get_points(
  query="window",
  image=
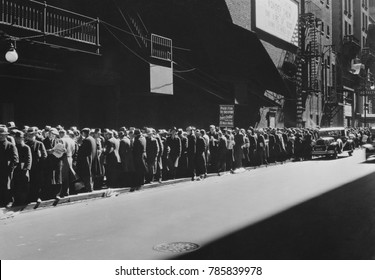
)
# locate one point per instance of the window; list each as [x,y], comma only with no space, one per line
[328,61]
[322,28]
[350,7]
[327,4]
[328,31]
[364,41]
[346,28]
[350,29]
[345,5]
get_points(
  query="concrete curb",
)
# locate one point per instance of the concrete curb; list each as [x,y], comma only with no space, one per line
[6,213]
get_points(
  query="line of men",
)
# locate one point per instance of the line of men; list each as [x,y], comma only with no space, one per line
[52,163]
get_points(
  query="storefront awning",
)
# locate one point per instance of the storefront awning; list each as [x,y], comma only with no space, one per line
[237,52]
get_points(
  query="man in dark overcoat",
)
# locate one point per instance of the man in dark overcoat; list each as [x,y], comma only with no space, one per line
[200,156]
[112,159]
[139,155]
[159,159]
[39,155]
[191,151]
[174,144]
[239,142]
[183,161]
[8,161]
[127,161]
[152,151]
[213,146]
[252,146]
[21,175]
[221,152]
[85,160]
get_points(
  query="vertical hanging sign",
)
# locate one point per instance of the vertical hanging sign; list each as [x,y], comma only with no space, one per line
[226,118]
[161,68]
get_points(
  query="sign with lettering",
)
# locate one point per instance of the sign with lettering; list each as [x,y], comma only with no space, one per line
[367,92]
[278,18]
[226,116]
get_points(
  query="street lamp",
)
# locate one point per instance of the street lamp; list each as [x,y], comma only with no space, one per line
[11,55]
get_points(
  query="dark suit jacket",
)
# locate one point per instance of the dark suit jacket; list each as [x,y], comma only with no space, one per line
[175,147]
[152,149]
[87,154]
[139,154]
[126,155]
[38,153]
[191,145]
[25,159]
[8,158]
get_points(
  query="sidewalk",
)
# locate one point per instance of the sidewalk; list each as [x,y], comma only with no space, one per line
[6,213]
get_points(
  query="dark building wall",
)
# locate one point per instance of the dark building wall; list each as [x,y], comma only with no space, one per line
[112,90]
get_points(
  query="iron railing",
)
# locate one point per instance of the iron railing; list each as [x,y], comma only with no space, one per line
[48,20]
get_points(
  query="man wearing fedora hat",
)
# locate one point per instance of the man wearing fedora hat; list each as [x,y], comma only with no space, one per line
[174,146]
[21,176]
[8,161]
[39,155]
[112,159]
[139,156]
[86,160]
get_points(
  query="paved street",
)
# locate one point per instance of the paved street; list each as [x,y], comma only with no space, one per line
[319,209]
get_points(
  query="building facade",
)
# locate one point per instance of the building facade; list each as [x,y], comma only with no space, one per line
[318,66]
[351,19]
[210,62]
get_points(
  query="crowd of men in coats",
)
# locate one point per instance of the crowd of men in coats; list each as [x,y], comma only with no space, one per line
[50,163]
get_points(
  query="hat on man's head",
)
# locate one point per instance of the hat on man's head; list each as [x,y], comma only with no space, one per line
[86,130]
[4,131]
[47,128]
[137,132]
[70,132]
[173,129]
[123,128]
[11,125]
[62,131]
[19,134]
[54,131]
[32,131]
[59,127]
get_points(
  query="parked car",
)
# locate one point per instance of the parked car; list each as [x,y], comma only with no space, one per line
[370,146]
[333,141]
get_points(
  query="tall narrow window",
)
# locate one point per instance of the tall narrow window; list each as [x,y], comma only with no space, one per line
[350,29]
[346,28]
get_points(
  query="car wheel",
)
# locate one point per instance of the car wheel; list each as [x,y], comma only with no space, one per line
[335,155]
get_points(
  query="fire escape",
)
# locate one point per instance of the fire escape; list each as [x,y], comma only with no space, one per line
[308,57]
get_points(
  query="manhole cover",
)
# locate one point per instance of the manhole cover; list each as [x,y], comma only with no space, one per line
[176,247]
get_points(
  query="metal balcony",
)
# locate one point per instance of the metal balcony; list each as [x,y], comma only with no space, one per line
[45,20]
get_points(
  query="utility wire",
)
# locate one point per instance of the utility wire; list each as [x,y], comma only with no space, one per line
[142,37]
[122,43]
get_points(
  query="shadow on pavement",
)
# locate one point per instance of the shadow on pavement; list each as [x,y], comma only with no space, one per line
[337,225]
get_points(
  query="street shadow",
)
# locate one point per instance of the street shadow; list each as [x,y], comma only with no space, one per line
[337,225]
